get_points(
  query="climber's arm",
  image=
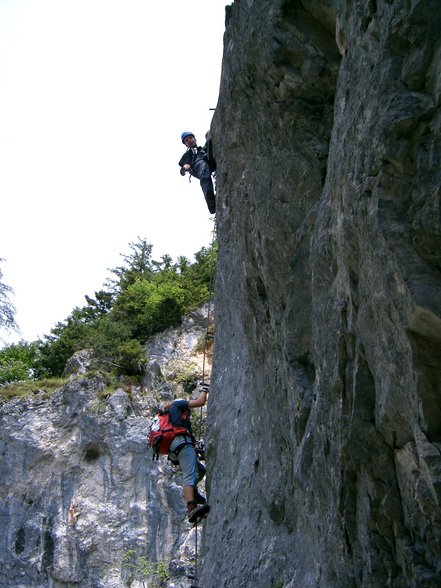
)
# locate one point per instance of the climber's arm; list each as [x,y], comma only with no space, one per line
[201,399]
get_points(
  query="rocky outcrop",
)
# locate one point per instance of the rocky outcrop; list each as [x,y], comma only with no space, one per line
[324,461]
[81,501]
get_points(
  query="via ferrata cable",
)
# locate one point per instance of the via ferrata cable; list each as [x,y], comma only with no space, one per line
[207,339]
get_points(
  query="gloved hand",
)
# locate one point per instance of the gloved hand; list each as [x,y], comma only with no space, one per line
[205,388]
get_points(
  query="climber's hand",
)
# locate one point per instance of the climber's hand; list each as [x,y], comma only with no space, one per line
[205,388]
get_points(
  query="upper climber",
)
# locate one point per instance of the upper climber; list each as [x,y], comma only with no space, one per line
[196,161]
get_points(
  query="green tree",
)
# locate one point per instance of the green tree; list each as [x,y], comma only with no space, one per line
[148,297]
[7,309]
[166,263]
[149,307]
[130,355]
[84,328]
[137,264]
[65,339]
[18,362]
[197,279]
[98,306]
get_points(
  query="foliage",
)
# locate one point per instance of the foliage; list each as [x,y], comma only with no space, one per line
[137,265]
[150,307]
[199,423]
[138,567]
[65,339]
[105,337]
[7,309]
[130,356]
[187,376]
[18,362]
[144,297]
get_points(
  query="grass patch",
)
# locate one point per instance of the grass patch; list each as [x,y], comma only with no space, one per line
[30,387]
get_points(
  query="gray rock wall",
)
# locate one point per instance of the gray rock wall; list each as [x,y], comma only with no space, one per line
[81,501]
[325,436]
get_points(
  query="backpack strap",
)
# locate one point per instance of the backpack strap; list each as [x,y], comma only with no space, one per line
[155,448]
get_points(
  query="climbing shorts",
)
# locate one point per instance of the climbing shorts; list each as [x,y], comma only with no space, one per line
[187,460]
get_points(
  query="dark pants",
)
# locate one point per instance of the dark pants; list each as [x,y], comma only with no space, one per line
[201,171]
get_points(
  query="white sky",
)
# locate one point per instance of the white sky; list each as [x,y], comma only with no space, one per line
[94,95]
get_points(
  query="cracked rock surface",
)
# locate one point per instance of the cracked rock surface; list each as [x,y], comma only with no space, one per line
[324,461]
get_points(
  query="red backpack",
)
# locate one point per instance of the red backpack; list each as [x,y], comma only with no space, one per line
[162,432]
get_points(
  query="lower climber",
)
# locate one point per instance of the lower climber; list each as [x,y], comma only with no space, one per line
[196,161]
[183,452]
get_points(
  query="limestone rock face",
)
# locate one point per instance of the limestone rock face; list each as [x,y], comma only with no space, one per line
[178,351]
[81,501]
[324,462]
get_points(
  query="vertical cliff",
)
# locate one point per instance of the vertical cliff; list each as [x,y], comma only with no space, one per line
[325,428]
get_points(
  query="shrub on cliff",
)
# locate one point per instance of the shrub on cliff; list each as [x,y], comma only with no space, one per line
[19,362]
[144,297]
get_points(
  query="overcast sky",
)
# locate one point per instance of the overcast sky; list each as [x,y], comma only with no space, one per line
[94,95]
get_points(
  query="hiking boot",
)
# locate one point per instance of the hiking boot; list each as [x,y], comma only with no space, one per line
[197,512]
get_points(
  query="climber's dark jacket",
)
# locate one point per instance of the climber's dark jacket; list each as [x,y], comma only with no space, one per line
[193,155]
[200,169]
